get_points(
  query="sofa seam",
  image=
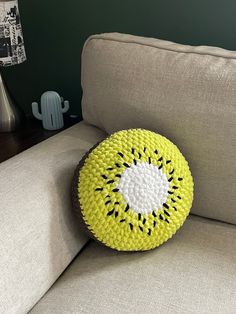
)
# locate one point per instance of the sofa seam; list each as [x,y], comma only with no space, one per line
[100,37]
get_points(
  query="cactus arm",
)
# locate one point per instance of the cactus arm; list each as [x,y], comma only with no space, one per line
[66,106]
[35,110]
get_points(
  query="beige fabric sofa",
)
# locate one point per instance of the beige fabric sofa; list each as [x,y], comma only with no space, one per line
[187,94]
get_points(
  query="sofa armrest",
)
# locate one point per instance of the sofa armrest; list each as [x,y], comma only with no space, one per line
[39,235]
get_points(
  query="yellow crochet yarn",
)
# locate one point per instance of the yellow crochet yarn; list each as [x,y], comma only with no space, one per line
[135,190]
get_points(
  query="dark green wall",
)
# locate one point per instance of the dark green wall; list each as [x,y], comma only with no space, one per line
[55,31]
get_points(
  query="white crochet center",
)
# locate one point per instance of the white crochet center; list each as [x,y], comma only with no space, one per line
[144,187]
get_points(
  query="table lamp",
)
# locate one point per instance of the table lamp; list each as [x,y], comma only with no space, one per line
[12,52]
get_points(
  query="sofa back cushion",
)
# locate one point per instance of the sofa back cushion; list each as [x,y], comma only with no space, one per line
[185,93]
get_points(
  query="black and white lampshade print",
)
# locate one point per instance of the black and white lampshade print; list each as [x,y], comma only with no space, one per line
[12,50]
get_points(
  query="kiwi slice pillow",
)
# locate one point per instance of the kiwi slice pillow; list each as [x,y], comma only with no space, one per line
[133,191]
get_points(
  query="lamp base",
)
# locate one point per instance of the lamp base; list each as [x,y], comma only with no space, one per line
[10,116]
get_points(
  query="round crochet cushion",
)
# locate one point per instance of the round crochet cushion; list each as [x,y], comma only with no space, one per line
[133,191]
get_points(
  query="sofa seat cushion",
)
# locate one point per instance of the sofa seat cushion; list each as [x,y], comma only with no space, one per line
[194,272]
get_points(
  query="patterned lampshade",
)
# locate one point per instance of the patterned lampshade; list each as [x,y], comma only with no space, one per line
[12,50]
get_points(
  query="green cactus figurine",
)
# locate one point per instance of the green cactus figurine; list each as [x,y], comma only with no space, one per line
[51,110]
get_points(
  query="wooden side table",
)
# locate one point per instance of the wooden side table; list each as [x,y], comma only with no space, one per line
[31,133]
